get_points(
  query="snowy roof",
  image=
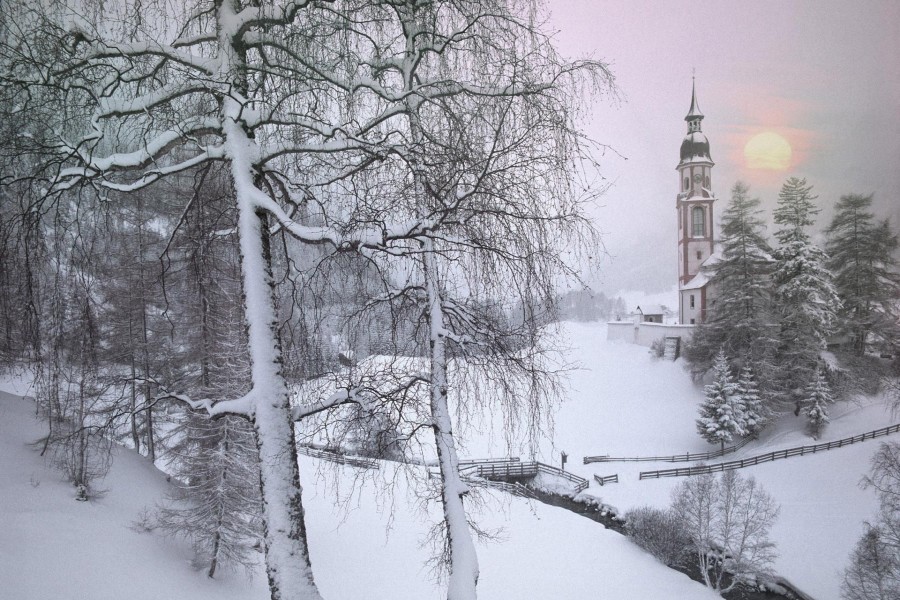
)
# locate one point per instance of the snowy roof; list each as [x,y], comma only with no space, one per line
[695,148]
[702,277]
[652,309]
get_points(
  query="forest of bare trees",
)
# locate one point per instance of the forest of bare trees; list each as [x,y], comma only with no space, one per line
[219,218]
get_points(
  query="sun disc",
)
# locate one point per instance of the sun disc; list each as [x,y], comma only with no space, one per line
[768,150]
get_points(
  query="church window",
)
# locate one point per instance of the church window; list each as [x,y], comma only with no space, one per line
[692,322]
[692,301]
[698,228]
[707,183]
[699,254]
[687,183]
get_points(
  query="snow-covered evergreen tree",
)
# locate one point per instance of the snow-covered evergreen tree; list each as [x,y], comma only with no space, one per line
[722,412]
[740,319]
[804,292]
[861,256]
[216,504]
[818,397]
[756,413]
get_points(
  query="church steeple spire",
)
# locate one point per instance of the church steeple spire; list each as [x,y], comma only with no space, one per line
[694,115]
[695,146]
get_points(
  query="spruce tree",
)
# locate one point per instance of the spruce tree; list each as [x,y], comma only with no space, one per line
[739,320]
[861,256]
[722,412]
[756,413]
[804,292]
[818,397]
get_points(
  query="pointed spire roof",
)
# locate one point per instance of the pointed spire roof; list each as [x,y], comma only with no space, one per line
[694,112]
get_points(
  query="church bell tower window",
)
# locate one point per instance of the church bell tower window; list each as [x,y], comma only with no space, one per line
[698,222]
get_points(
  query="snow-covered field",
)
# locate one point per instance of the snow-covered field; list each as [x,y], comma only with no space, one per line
[625,403]
[368,536]
[369,544]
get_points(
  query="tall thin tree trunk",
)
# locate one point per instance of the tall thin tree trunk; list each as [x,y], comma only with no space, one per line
[220,516]
[145,349]
[135,433]
[463,558]
[287,555]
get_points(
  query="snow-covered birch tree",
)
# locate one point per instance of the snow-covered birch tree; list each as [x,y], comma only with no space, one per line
[874,569]
[160,90]
[728,520]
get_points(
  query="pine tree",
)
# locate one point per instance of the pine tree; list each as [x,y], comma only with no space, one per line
[861,256]
[740,318]
[216,503]
[804,292]
[722,413]
[818,397]
[756,413]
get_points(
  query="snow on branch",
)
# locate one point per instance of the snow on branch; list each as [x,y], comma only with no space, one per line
[241,407]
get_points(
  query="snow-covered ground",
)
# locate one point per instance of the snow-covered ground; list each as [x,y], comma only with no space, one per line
[366,544]
[626,403]
[371,543]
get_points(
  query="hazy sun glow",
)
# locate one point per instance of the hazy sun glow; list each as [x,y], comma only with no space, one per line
[768,150]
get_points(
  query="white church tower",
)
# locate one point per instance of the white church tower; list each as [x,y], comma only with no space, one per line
[694,206]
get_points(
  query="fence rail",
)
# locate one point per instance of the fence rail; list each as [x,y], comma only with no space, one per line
[687,457]
[341,459]
[771,456]
[516,489]
[488,461]
[607,479]
[515,469]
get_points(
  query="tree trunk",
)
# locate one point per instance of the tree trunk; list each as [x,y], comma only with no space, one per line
[135,433]
[463,558]
[145,350]
[287,556]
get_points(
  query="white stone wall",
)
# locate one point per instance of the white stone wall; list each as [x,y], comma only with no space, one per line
[644,334]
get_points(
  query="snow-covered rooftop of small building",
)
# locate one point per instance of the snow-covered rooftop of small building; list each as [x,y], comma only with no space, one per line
[652,309]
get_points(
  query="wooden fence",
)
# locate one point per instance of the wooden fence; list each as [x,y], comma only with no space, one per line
[341,459]
[607,479]
[687,457]
[517,469]
[516,489]
[771,456]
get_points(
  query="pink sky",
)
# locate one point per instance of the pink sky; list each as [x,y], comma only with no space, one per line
[823,74]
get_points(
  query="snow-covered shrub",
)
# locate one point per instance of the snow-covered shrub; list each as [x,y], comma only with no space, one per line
[660,532]
[658,348]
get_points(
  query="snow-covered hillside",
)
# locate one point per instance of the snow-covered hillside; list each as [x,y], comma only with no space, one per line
[367,545]
[367,534]
[623,402]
